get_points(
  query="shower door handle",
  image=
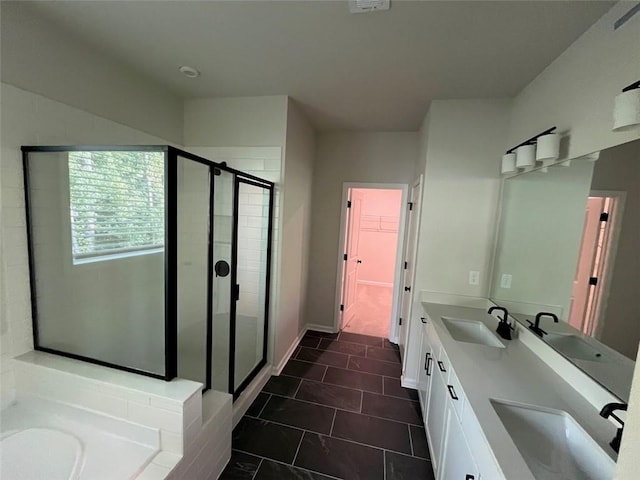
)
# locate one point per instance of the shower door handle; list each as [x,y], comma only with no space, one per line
[237,292]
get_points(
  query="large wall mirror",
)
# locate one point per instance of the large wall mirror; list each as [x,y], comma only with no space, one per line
[569,244]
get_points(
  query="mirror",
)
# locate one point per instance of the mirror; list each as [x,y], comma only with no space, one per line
[569,244]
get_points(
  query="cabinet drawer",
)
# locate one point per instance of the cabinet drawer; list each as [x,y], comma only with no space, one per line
[456,395]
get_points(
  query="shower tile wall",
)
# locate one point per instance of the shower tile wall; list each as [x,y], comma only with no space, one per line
[29,119]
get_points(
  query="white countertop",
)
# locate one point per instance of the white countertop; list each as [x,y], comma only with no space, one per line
[514,374]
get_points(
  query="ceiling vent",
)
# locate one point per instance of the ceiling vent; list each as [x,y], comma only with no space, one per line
[365,6]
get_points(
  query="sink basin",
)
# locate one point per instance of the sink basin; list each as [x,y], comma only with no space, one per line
[471,331]
[574,346]
[552,444]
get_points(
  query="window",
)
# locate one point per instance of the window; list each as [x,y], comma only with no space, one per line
[116,203]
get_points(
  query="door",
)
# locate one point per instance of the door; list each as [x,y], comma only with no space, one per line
[351,259]
[581,283]
[457,459]
[411,247]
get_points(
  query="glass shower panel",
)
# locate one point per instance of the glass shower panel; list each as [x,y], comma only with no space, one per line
[252,276]
[221,284]
[96,231]
[193,201]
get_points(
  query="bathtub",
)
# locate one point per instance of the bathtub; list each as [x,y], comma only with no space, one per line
[43,439]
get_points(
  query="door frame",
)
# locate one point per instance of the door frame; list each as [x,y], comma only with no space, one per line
[601,297]
[398,271]
[417,211]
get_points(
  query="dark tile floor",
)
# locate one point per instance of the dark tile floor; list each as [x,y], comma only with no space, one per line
[337,411]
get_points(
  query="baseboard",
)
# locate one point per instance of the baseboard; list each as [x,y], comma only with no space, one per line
[244,401]
[375,284]
[320,328]
[277,369]
[408,382]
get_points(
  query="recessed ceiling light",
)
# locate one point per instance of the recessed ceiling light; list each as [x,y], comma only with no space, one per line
[189,71]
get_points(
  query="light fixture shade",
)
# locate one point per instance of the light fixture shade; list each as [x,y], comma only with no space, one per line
[548,148]
[526,156]
[508,163]
[626,111]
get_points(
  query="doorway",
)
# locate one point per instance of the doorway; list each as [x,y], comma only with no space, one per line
[370,258]
[595,260]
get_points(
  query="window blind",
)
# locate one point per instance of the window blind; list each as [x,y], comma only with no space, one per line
[116,202]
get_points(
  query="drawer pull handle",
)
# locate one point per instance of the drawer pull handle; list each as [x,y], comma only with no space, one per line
[470,477]
[441,366]
[428,369]
[426,360]
[423,320]
[452,392]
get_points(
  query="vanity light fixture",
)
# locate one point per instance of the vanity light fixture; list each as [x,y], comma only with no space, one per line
[548,148]
[525,153]
[508,163]
[526,156]
[626,110]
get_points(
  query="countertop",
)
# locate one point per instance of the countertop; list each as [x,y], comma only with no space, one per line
[515,374]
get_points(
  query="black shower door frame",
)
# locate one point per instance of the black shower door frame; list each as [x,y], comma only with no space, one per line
[171,259]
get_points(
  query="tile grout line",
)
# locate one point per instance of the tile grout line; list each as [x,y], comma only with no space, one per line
[259,465]
[263,406]
[333,422]
[298,449]
[325,435]
[283,463]
[298,389]
[413,453]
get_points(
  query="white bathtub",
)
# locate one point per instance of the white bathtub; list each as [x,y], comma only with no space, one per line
[42,439]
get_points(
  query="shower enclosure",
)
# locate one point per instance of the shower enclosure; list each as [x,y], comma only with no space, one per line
[149,259]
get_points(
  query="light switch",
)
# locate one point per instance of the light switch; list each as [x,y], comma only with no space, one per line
[474,277]
[505,281]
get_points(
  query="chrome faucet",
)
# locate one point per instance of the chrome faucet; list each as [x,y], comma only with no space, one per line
[504,329]
[606,412]
[535,327]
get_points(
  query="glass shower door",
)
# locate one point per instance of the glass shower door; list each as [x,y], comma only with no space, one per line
[251,252]
[221,281]
[193,204]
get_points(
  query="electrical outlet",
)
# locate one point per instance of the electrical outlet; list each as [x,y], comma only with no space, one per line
[474,277]
[505,281]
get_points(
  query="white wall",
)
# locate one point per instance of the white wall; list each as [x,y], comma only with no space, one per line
[462,184]
[40,58]
[235,122]
[627,467]
[29,119]
[576,91]
[387,157]
[463,141]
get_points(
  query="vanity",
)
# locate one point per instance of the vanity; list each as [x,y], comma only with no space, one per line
[529,408]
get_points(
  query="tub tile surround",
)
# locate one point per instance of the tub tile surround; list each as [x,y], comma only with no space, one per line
[172,409]
[514,374]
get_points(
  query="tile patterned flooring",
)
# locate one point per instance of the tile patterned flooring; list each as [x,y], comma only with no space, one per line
[337,411]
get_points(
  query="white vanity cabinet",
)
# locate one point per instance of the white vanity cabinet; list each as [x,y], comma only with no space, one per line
[443,402]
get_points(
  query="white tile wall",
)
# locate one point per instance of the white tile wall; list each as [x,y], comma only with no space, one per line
[30,119]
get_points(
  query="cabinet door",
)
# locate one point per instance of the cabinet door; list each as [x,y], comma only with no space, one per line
[424,376]
[457,461]
[436,414]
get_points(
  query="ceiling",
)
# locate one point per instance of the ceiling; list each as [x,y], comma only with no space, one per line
[376,71]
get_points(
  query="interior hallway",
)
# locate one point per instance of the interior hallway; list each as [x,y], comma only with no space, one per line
[337,411]
[372,312]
